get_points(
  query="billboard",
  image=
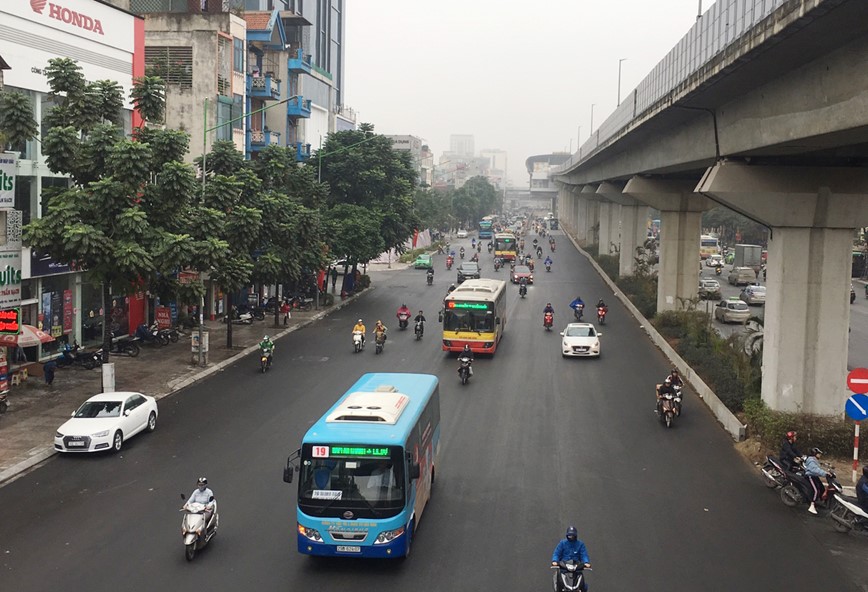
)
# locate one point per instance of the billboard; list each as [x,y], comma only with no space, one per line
[7,180]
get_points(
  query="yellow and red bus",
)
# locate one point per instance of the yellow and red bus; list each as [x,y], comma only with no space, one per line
[505,246]
[475,314]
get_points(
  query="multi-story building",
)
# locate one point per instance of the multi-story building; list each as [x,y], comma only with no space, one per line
[421,155]
[107,43]
[542,189]
[462,145]
[497,167]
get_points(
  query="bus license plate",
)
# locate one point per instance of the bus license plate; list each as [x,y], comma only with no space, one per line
[349,549]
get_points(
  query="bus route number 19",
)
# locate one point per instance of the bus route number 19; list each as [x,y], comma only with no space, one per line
[320,451]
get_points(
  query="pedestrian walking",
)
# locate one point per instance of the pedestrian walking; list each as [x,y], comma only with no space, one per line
[48,371]
[334,278]
[285,311]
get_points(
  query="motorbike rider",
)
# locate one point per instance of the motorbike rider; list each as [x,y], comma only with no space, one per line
[538,251]
[380,331]
[475,258]
[813,471]
[461,252]
[267,348]
[467,353]
[490,246]
[420,318]
[790,455]
[403,310]
[522,285]
[360,326]
[675,378]
[203,495]
[571,548]
[862,489]
[663,389]
[548,261]
[450,289]
[549,309]
[575,304]
[430,274]
[473,243]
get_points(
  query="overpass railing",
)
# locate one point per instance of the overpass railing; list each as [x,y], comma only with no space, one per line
[722,25]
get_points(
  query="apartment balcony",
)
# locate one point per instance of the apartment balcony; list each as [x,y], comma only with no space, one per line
[302,151]
[299,62]
[298,107]
[263,87]
[259,139]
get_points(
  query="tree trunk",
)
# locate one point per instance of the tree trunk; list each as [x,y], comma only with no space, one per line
[106,322]
[229,315]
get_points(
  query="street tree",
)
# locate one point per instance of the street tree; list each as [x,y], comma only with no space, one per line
[111,221]
[17,124]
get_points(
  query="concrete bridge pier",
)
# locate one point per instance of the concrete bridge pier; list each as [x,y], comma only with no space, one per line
[812,213]
[634,229]
[610,218]
[589,216]
[680,225]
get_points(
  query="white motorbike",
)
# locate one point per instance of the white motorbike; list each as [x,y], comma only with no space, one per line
[570,576]
[196,534]
[847,515]
[358,343]
[419,329]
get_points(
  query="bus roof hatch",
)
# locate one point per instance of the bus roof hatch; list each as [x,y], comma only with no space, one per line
[382,405]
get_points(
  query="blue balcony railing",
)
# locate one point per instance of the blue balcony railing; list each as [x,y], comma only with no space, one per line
[259,139]
[263,87]
[299,62]
[298,107]
[302,151]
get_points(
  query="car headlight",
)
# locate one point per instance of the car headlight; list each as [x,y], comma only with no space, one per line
[101,434]
[58,435]
[597,345]
[387,536]
[309,533]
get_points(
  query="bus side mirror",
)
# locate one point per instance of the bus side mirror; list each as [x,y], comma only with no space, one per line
[287,473]
[439,317]
[415,472]
[496,320]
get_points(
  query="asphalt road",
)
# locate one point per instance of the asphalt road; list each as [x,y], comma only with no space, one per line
[534,443]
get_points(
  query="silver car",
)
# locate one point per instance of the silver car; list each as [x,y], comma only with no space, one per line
[753,294]
[709,289]
[732,310]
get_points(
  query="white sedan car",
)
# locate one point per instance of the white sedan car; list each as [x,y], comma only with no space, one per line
[461,234]
[581,340]
[104,421]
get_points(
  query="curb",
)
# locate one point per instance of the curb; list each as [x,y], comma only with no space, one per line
[40,454]
[724,416]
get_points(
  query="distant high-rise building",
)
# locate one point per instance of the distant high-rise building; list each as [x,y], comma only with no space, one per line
[423,158]
[462,144]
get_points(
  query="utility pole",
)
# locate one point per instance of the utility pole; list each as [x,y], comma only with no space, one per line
[592,118]
[619,76]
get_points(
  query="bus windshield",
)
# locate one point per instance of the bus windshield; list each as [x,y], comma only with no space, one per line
[372,486]
[468,316]
[507,243]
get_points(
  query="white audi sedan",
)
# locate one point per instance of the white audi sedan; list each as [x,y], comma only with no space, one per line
[581,340]
[105,421]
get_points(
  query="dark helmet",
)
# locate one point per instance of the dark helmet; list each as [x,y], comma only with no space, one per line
[815,451]
[572,533]
[202,481]
[673,371]
[791,434]
[865,471]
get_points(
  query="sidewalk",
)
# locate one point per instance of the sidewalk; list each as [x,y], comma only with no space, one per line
[36,410]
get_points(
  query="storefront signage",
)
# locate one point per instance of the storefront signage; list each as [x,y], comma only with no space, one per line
[163,316]
[7,180]
[67,312]
[10,321]
[10,279]
[43,264]
[70,17]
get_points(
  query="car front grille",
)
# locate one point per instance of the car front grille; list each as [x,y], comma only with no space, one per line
[68,439]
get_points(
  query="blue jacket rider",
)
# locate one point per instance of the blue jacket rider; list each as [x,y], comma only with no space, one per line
[571,548]
[575,303]
[548,261]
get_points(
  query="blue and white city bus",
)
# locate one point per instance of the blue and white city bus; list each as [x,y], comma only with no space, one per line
[366,467]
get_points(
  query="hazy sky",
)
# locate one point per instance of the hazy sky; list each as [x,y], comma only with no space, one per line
[520,76]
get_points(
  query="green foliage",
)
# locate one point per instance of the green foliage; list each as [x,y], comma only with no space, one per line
[364,282]
[727,223]
[433,208]
[610,265]
[832,434]
[354,231]
[149,96]
[641,289]
[64,77]
[17,124]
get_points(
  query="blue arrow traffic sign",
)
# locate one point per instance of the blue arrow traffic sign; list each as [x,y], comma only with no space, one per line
[857,407]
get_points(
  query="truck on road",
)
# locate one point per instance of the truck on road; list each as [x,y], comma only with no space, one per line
[748,256]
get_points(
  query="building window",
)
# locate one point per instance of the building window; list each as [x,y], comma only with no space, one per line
[224,67]
[237,112]
[238,60]
[24,196]
[224,115]
[173,64]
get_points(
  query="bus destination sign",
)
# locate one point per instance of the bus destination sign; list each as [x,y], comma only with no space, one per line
[468,305]
[359,451]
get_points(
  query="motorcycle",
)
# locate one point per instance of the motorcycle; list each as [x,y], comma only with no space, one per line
[601,314]
[479,247]
[403,320]
[799,490]
[490,248]
[92,359]
[419,330]
[358,344]
[174,335]
[70,355]
[548,321]
[195,533]
[300,303]
[570,575]
[718,270]
[430,279]
[553,247]
[152,334]
[678,390]
[126,347]
[774,474]
[379,342]
[666,408]
[461,253]
[578,311]
[522,290]
[539,252]
[464,371]
[847,515]
[497,264]
[449,261]
[548,266]
[264,359]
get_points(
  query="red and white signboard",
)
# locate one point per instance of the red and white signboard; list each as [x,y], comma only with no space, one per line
[320,452]
[857,380]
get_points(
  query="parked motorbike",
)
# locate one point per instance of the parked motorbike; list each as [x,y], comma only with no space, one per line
[195,533]
[419,329]
[379,342]
[847,515]
[548,321]
[464,371]
[125,347]
[570,575]
[601,314]
[173,334]
[91,360]
[774,474]
[358,344]
[69,355]
[151,335]
[799,491]
[301,303]
[403,320]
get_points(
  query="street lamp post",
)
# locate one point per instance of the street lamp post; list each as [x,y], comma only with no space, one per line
[205,130]
[592,118]
[619,79]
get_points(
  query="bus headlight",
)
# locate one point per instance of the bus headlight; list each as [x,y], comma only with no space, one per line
[387,536]
[309,533]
